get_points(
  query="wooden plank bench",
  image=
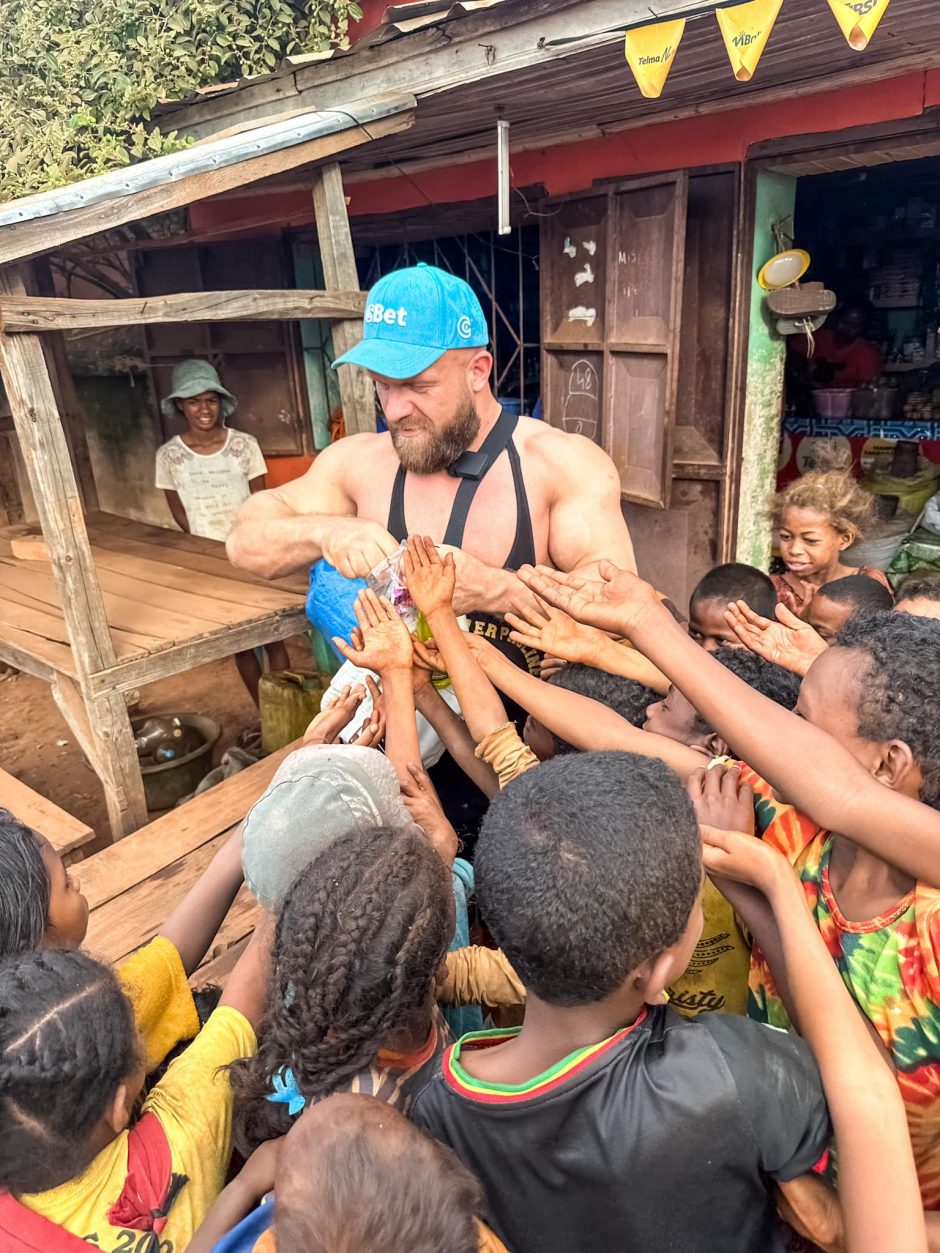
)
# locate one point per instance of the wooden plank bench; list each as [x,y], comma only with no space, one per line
[133,885]
[66,834]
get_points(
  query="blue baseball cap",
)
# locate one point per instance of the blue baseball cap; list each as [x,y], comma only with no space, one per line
[413,317]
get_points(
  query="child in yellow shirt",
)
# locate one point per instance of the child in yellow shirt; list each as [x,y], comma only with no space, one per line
[71,1069]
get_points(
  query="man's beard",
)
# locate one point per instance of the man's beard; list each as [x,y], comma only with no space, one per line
[435,450]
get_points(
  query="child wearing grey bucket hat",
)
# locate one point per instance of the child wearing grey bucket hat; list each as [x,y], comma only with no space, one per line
[208,472]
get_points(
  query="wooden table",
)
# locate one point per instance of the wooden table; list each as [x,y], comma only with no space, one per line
[66,834]
[171,601]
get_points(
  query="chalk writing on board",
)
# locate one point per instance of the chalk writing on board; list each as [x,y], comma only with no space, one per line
[582,400]
[569,248]
[624,257]
[584,276]
[580,314]
[589,246]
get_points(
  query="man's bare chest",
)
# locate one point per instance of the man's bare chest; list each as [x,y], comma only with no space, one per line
[429,505]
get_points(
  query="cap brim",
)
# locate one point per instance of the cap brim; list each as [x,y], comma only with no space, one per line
[390,359]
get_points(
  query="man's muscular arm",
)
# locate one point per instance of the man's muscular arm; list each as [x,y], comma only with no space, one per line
[287,528]
[586,522]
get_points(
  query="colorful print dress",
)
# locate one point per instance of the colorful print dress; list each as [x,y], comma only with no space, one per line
[889,964]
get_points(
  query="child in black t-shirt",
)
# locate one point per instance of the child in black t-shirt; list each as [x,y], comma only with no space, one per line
[607,1121]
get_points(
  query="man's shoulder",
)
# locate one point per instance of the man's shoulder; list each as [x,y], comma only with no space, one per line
[556,448]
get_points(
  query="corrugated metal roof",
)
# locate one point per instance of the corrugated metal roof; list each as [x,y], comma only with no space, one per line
[210,155]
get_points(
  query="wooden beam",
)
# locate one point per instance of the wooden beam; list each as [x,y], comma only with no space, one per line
[338,259]
[41,313]
[128,675]
[52,478]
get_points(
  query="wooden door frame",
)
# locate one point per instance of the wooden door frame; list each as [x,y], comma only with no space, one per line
[908,139]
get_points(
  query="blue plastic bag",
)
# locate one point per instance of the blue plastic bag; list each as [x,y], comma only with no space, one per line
[330,600]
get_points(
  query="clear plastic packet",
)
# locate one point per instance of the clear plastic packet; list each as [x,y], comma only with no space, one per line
[386,579]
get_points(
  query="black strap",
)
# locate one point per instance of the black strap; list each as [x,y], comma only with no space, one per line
[396,510]
[523,545]
[499,438]
[491,448]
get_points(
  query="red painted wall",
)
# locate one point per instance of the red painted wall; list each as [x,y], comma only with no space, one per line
[710,139]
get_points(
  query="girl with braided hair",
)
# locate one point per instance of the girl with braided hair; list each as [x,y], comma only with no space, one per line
[360,938]
[42,908]
[73,1173]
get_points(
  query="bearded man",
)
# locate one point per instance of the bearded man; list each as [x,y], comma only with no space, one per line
[503,491]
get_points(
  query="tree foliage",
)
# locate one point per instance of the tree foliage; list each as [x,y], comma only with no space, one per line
[80,78]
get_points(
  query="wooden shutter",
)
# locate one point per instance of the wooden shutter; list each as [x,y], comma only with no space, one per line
[613,266]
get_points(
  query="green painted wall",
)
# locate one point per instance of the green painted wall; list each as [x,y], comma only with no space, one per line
[763,408]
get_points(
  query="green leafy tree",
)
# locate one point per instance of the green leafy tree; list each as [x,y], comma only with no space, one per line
[80,78]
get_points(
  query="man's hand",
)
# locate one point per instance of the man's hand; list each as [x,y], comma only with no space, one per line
[790,642]
[556,633]
[423,804]
[429,579]
[355,546]
[481,588]
[722,799]
[616,602]
[383,643]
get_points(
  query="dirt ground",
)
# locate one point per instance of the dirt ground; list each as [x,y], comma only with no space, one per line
[37,747]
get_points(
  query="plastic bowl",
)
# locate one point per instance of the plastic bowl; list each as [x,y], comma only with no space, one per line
[833,402]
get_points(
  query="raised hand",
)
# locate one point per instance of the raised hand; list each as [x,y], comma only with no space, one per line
[555,632]
[789,642]
[430,580]
[422,802]
[328,723]
[722,799]
[732,856]
[612,602]
[383,643]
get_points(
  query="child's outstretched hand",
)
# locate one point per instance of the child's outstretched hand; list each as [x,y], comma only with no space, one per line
[430,580]
[328,723]
[722,799]
[790,642]
[555,632]
[383,643]
[423,804]
[614,602]
[731,855]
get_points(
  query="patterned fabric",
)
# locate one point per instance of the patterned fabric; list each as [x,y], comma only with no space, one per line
[796,600]
[889,964]
[213,486]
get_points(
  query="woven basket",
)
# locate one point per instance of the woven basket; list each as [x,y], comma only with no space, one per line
[801,302]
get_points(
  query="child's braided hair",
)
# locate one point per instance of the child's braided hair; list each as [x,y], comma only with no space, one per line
[359,938]
[67,1043]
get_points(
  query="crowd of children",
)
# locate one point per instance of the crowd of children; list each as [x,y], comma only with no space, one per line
[703,1010]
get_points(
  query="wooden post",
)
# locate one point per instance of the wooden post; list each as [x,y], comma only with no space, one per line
[73,420]
[339,273]
[52,478]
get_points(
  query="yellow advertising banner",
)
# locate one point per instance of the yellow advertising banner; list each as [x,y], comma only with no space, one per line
[858,19]
[650,52]
[745,29]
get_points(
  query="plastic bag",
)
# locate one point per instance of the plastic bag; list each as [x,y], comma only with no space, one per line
[930,518]
[387,580]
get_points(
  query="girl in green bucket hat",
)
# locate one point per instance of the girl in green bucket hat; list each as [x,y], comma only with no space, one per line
[208,472]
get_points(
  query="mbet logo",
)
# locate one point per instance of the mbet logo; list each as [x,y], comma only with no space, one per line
[391,317]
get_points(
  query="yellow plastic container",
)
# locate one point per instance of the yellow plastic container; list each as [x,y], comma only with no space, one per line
[290,700]
[423,632]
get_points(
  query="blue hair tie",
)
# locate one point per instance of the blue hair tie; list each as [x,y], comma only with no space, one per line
[286,1091]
